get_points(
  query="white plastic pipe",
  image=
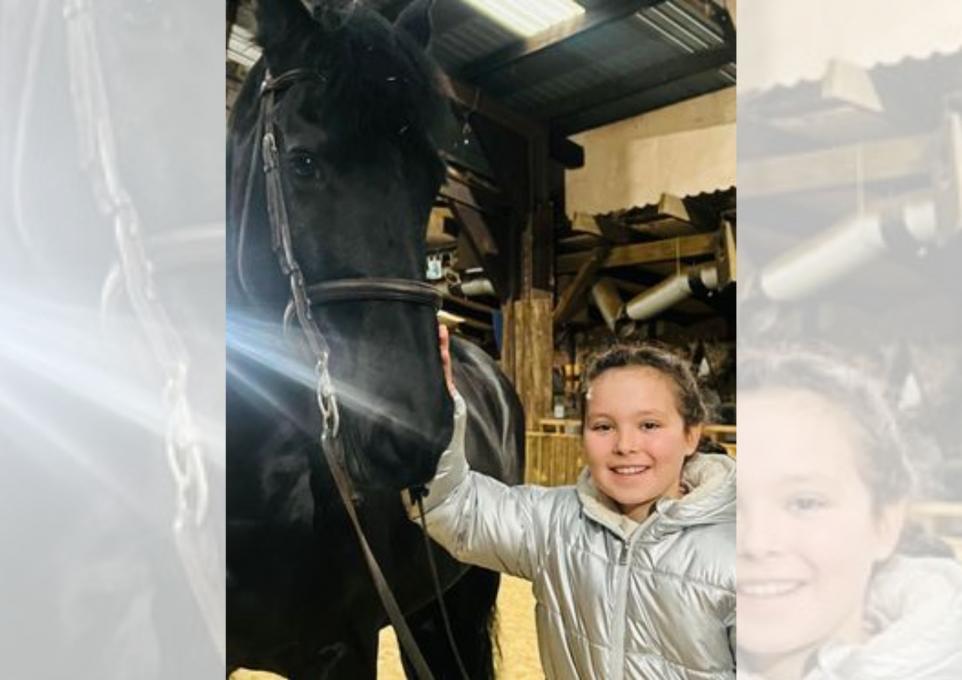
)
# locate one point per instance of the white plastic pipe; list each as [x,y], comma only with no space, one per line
[669,292]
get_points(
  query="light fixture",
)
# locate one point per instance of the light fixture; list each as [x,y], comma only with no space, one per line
[528,17]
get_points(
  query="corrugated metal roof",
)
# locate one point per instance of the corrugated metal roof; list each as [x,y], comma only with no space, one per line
[469,40]
[605,74]
[619,53]
[625,54]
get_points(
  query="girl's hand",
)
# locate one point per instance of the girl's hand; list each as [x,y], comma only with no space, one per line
[444,341]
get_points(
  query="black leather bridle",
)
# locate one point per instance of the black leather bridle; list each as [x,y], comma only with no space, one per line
[305,296]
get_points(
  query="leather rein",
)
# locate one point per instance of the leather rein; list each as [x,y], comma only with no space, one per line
[303,298]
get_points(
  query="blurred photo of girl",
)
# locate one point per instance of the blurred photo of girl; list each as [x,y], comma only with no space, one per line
[832,582]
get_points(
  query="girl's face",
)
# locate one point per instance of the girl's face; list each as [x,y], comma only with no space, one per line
[635,438]
[808,536]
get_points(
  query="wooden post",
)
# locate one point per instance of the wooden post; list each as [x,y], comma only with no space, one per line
[524,172]
[528,360]
[528,348]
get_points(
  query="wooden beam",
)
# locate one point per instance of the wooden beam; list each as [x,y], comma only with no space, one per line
[601,227]
[642,253]
[455,320]
[570,155]
[578,242]
[468,304]
[556,35]
[573,296]
[473,195]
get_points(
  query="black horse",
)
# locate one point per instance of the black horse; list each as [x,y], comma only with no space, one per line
[358,133]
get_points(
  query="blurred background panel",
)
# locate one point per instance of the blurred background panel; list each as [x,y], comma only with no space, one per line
[850,339]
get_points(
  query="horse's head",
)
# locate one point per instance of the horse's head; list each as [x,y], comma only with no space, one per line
[357,134]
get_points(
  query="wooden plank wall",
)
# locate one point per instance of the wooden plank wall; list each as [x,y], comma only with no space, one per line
[552,459]
[556,459]
[528,352]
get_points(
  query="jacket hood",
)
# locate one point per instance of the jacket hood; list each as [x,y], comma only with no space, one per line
[710,479]
[711,499]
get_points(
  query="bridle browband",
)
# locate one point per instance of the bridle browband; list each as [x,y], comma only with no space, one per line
[303,298]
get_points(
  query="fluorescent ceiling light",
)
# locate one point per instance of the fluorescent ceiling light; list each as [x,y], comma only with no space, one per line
[528,17]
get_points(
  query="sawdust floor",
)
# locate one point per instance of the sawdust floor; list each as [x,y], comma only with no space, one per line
[516,636]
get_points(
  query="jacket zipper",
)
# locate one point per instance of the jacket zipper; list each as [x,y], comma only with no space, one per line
[621,605]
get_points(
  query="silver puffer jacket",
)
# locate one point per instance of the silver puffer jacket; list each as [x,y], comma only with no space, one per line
[615,599]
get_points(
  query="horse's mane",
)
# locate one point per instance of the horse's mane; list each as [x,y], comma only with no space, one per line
[384,83]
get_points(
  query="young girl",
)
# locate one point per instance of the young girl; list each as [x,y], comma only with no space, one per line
[633,569]
[829,586]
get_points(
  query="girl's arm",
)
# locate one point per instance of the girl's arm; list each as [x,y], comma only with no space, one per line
[476,518]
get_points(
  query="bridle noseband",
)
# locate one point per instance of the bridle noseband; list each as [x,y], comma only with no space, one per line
[303,298]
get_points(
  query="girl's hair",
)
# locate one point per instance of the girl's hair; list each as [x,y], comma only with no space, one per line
[882,452]
[691,404]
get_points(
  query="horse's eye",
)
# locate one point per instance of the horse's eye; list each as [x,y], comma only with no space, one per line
[304,165]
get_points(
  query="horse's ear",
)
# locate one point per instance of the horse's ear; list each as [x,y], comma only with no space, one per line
[415,20]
